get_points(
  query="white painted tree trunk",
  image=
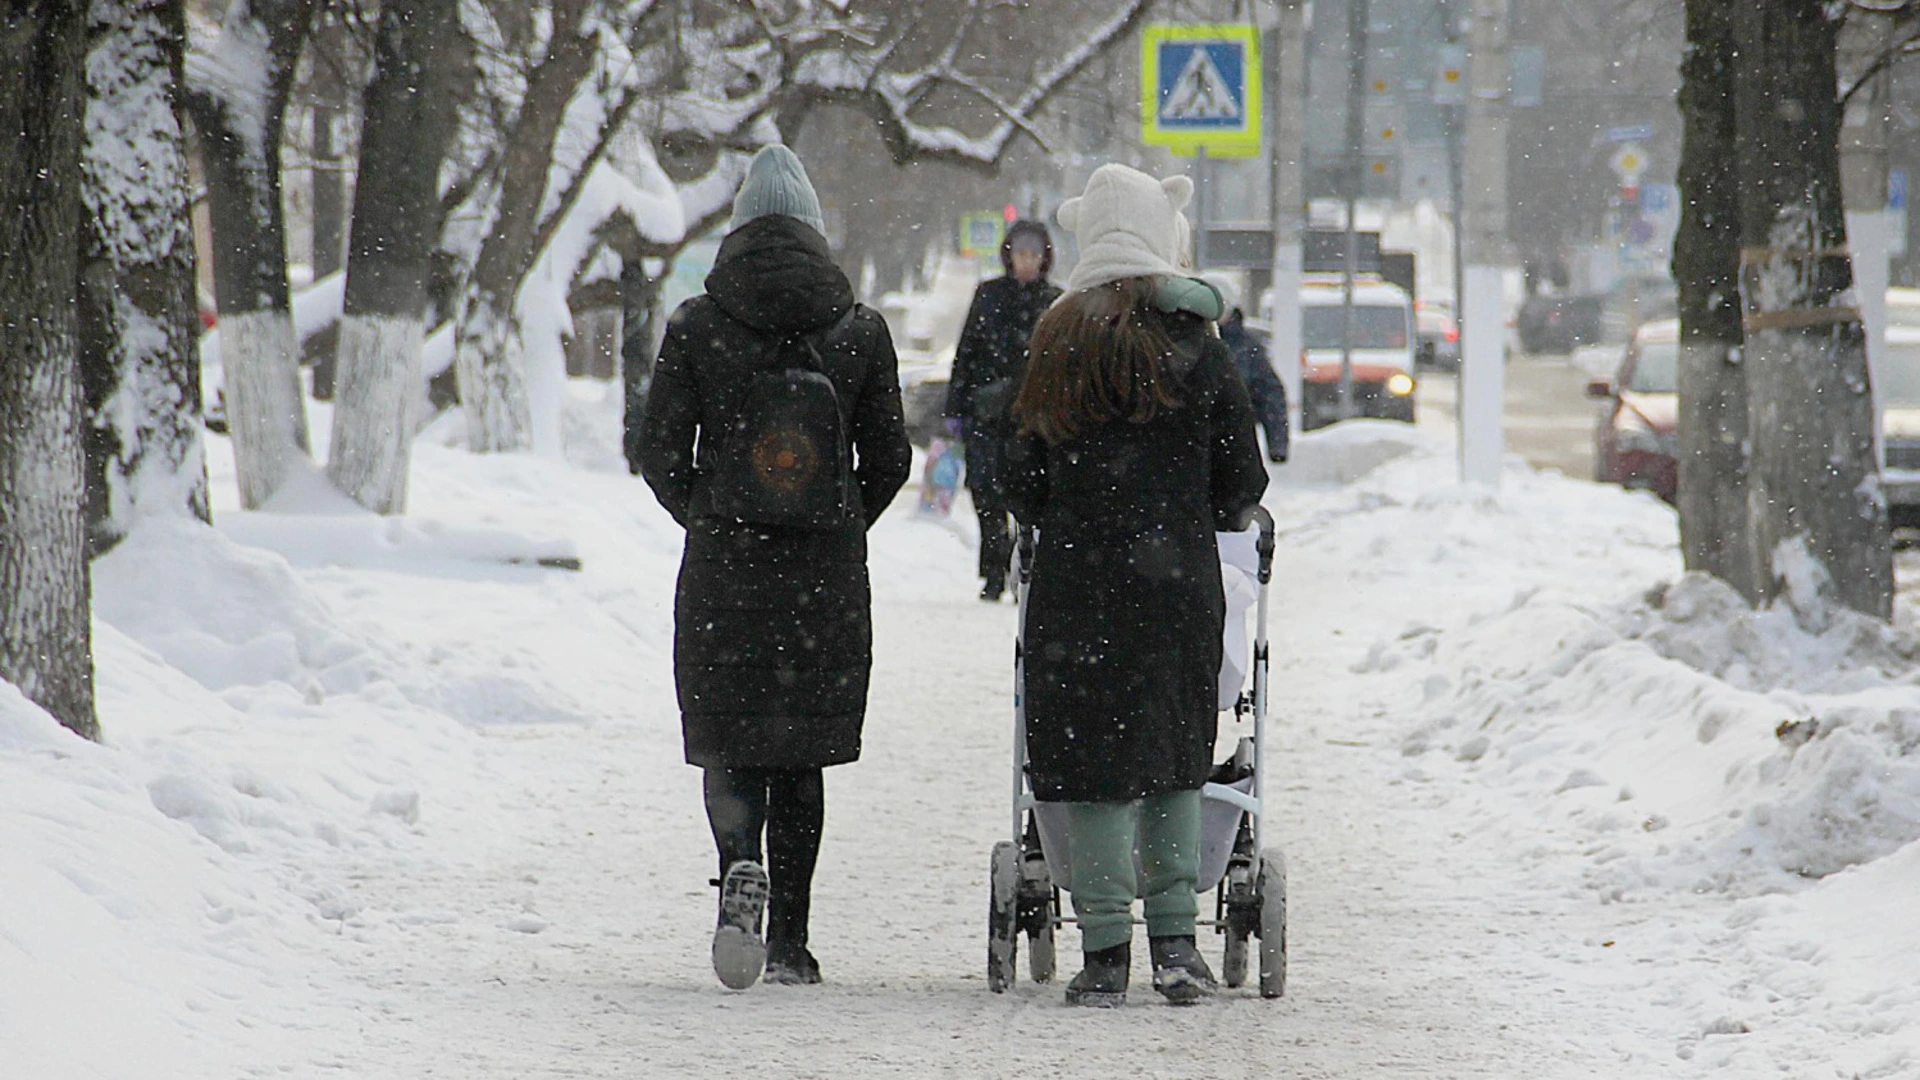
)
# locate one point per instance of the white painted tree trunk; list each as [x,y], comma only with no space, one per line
[377,398]
[266,409]
[493,381]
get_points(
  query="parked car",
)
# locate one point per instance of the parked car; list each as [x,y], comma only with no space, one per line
[1898,388]
[1439,335]
[1383,349]
[1636,443]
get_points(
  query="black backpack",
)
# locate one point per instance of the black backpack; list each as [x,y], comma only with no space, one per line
[785,460]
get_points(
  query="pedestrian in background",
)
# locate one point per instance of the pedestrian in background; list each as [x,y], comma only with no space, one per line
[769,388]
[1135,445]
[1250,358]
[988,365]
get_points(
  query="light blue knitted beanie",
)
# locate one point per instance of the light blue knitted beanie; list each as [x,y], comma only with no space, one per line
[777,184]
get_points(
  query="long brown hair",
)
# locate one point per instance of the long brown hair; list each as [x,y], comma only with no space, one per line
[1097,355]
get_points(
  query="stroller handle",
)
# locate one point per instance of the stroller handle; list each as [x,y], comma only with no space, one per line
[1264,519]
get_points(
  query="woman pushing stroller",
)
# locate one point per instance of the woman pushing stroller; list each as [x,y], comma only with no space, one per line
[1136,445]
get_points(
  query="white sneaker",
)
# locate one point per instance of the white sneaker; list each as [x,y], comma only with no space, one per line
[739,952]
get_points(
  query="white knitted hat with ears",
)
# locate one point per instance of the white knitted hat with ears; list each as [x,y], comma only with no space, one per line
[1127,224]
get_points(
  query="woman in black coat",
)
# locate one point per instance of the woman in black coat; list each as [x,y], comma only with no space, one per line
[772,623]
[1136,446]
[1124,621]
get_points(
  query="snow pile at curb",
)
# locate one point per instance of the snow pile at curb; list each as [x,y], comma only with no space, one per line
[1714,747]
[1740,789]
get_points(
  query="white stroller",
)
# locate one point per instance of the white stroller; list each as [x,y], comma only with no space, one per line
[1249,881]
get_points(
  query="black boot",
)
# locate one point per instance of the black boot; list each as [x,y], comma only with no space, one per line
[993,589]
[1180,973]
[1102,983]
[790,964]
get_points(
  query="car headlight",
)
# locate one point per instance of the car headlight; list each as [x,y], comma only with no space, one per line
[1400,385]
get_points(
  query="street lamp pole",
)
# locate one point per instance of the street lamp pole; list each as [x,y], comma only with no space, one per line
[1483,318]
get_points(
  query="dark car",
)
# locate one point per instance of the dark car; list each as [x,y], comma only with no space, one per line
[1636,443]
[1556,323]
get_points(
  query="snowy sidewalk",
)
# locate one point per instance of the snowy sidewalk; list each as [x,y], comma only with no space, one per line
[381,801]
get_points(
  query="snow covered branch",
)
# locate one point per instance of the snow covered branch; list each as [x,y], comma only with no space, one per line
[896,99]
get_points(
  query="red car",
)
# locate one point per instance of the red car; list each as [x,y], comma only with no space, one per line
[1636,443]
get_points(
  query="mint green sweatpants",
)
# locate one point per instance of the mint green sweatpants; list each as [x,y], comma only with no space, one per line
[1168,830]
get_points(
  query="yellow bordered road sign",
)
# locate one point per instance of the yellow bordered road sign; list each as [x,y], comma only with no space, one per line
[1200,87]
[980,234]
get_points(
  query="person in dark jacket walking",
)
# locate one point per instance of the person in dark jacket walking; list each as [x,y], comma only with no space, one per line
[1136,445]
[1250,358]
[772,623]
[988,364]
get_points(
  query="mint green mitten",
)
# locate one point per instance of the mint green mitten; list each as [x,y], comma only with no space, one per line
[1190,295]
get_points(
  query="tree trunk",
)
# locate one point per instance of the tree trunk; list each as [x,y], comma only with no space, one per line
[46,644]
[138,324]
[487,355]
[239,111]
[409,112]
[1815,486]
[1714,534]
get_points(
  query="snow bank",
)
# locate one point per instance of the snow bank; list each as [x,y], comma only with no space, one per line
[281,697]
[1349,450]
[1708,745]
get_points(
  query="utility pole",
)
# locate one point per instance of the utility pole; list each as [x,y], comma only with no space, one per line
[1356,173]
[1286,85]
[1203,176]
[1483,322]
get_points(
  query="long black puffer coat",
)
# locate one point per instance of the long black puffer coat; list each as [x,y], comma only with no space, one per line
[773,627]
[1126,610]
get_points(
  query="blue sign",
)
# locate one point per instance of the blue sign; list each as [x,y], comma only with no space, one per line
[1656,198]
[1896,189]
[1203,86]
[1630,133]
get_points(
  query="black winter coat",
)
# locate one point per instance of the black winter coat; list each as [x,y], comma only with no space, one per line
[772,625]
[991,357]
[989,363]
[1126,610]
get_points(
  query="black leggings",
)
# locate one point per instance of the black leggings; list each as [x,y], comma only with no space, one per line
[789,805]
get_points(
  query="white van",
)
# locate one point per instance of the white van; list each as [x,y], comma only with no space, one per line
[1385,346]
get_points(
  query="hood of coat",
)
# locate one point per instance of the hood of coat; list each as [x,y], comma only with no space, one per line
[776,275]
[1029,228]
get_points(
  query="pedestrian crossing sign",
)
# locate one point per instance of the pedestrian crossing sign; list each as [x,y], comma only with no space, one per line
[1200,88]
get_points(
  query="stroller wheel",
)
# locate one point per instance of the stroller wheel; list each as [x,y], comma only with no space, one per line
[1233,968]
[1040,953]
[1273,923]
[1003,916]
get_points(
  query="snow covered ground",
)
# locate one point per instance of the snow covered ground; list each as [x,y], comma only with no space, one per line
[404,798]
